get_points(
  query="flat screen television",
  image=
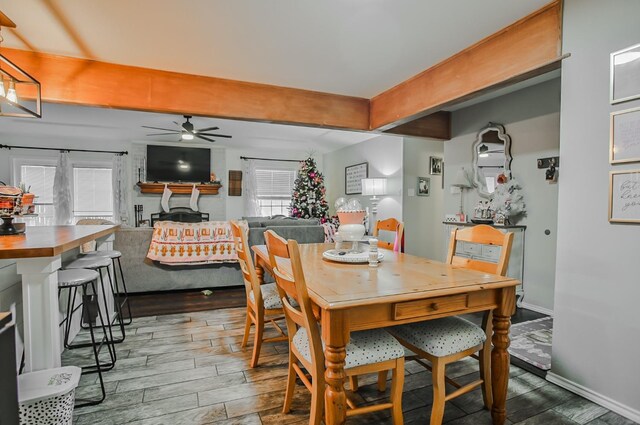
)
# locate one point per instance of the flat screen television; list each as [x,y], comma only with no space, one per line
[178,164]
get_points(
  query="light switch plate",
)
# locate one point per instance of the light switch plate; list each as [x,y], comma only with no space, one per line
[411,192]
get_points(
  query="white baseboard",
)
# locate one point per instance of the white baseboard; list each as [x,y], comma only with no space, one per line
[598,398]
[536,308]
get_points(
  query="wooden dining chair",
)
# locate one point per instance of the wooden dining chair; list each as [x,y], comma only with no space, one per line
[449,339]
[263,301]
[371,351]
[390,225]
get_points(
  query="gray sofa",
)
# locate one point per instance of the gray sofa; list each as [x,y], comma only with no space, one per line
[302,230]
[144,275]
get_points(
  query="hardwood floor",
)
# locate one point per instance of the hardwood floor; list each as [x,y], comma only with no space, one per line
[175,302]
[188,368]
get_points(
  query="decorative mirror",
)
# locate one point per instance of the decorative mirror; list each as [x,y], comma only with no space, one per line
[491,157]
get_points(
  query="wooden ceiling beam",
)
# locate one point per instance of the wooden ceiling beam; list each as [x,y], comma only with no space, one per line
[529,47]
[93,83]
[434,126]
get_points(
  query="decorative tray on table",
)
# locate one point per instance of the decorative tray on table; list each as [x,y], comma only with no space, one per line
[345,256]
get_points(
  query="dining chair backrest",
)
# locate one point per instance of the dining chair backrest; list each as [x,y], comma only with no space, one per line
[249,275]
[484,235]
[284,257]
[390,225]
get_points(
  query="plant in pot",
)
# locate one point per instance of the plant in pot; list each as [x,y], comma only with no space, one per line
[28,198]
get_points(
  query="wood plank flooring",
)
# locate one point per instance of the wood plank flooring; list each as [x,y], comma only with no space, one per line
[189,369]
[187,301]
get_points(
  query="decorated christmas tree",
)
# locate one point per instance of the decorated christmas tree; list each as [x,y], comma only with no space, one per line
[308,199]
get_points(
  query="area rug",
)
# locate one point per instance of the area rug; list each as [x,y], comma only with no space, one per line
[531,342]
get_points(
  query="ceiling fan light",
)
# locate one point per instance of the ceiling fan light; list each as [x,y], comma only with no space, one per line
[187,136]
[2,92]
[11,93]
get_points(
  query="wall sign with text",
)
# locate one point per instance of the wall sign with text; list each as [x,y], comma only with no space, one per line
[625,136]
[353,175]
[624,193]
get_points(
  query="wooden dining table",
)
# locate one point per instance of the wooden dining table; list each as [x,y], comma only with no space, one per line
[402,289]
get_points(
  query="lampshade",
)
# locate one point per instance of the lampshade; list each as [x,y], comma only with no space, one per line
[374,187]
[461,179]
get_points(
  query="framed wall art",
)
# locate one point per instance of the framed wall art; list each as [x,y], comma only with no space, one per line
[435,165]
[624,196]
[625,136]
[353,175]
[625,74]
[424,186]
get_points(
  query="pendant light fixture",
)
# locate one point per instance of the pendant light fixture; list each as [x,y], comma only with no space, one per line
[21,97]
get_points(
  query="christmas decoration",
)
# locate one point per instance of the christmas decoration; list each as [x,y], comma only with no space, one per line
[308,199]
[507,201]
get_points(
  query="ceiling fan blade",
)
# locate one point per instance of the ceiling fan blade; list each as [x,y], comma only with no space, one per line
[214,135]
[162,134]
[204,138]
[160,128]
[202,130]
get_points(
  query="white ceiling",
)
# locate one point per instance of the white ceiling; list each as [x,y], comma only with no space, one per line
[353,47]
[75,122]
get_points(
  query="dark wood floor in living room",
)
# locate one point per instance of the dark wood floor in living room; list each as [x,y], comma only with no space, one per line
[174,302]
[189,368]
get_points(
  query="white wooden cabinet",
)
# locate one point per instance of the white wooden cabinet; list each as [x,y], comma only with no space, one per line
[491,253]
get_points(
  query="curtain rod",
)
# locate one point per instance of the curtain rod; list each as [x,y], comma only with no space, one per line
[62,149]
[272,159]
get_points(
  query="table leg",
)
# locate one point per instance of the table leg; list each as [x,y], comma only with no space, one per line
[335,333]
[500,355]
[41,312]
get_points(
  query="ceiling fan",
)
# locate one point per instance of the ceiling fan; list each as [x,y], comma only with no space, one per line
[187,132]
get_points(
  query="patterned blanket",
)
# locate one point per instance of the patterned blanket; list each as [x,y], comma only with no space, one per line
[176,243]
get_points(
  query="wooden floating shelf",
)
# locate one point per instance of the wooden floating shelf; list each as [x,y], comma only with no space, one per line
[179,188]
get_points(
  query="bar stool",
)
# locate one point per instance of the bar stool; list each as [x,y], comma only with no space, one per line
[115,256]
[71,280]
[100,263]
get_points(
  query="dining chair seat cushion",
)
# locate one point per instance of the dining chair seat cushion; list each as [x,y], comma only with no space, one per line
[108,253]
[91,262]
[75,277]
[441,337]
[270,297]
[364,348]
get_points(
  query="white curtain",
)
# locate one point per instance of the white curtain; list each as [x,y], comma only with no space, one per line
[249,185]
[119,184]
[62,190]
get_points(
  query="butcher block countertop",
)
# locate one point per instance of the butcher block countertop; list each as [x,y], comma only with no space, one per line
[49,241]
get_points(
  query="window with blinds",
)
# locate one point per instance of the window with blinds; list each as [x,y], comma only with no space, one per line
[273,190]
[39,180]
[92,193]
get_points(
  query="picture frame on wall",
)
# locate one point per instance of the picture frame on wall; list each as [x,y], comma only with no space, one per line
[424,186]
[624,138]
[625,74]
[353,175]
[624,196]
[435,165]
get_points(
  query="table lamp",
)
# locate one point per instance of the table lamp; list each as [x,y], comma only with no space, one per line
[374,188]
[461,181]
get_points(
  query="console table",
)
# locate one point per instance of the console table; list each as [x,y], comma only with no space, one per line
[491,253]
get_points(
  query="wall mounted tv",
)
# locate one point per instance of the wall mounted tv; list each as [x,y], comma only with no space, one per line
[178,164]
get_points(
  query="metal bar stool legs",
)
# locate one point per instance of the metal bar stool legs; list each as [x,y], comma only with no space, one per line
[124,288]
[71,280]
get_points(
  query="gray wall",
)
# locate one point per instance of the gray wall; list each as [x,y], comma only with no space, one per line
[384,155]
[596,337]
[422,214]
[531,117]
